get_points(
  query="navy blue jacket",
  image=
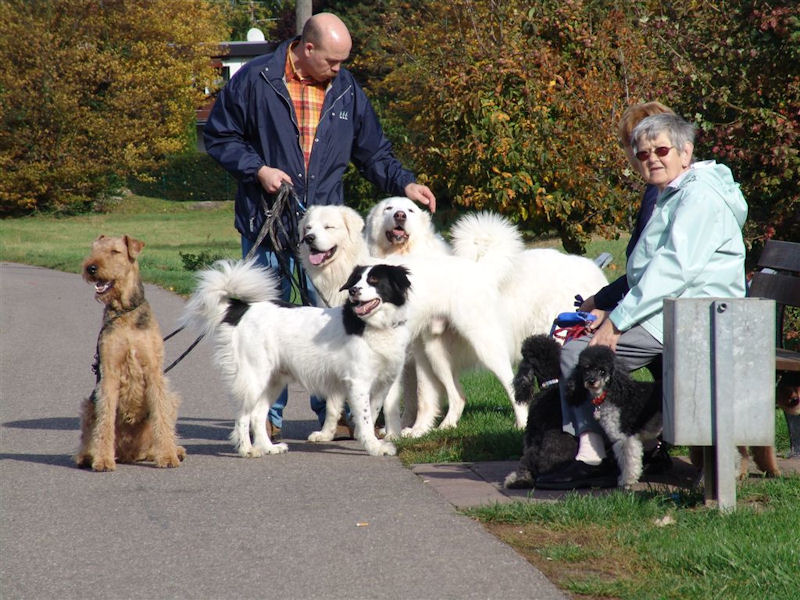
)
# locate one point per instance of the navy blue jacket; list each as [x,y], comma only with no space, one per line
[608,297]
[253,124]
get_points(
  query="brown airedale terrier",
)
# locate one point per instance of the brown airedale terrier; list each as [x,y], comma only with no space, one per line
[131,413]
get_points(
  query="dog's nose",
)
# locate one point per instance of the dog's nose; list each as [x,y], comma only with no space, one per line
[355,290]
[309,238]
[400,216]
[91,269]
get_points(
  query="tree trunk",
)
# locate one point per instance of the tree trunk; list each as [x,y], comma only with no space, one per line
[302,14]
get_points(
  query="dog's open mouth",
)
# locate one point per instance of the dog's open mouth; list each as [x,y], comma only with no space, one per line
[364,308]
[101,287]
[317,257]
[397,235]
[595,389]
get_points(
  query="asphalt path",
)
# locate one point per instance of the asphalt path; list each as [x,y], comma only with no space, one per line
[322,521]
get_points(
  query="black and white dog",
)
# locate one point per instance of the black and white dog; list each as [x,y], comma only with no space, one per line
[352,353]
[545,444]
[628,411]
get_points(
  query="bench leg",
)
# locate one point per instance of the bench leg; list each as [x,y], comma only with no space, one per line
[793,421]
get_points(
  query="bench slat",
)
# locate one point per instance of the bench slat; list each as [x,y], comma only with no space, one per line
[780,255]
[786,360]
[784,289]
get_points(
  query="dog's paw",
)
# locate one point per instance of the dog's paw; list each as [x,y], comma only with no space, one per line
[83,460]
[391,437]
[413,432]
[380,448]
[517,480]
[181,451]
[248,452]
[103,464]
[280,448]
[448,423]
[320,436]
[625,484]
[168,461]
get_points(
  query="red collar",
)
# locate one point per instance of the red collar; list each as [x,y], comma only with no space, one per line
[598,400]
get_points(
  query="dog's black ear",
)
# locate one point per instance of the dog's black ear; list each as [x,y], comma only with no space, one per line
[354,277]
[399,277]
[392,282]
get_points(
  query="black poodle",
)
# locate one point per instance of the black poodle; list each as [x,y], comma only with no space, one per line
[545,444]
[628,411]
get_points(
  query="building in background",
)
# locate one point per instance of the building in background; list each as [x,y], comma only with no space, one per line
[229,58]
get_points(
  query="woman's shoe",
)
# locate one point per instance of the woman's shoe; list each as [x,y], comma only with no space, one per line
[577,474]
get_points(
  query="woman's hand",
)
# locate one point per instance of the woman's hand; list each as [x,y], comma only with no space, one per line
[606,335]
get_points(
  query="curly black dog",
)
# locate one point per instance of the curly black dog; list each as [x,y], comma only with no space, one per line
[545,444]
[628,411]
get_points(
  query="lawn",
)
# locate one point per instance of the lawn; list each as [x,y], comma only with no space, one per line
[621,545]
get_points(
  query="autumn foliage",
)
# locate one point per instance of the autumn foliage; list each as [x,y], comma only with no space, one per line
[501,105]
[511,106]
[93,90]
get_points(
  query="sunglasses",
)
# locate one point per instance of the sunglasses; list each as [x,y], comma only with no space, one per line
[661,152]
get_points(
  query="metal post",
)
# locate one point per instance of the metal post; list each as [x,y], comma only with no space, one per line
[723,393]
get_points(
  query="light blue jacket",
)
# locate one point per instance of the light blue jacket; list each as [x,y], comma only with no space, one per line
[692,247]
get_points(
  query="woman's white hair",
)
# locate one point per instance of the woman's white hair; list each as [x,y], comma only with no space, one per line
[679,131]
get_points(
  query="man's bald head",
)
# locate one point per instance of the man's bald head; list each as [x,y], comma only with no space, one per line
[324,45]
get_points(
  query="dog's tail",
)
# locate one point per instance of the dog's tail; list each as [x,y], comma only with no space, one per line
[488,239]
[224,284]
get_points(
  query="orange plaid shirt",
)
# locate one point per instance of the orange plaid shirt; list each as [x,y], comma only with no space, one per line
[307,97]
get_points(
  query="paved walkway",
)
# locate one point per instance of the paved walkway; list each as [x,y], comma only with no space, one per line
[322,521]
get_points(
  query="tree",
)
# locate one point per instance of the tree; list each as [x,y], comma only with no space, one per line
[513,109]
[90,91]
[736,74]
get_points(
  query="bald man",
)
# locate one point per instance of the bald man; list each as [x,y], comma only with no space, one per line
[298,116]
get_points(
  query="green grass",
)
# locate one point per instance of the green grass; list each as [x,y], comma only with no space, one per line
[167,229]
[616,545]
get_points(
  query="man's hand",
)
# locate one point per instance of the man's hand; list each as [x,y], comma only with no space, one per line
[422,194]
[271,179]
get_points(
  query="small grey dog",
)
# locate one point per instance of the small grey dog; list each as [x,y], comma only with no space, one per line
[628,411]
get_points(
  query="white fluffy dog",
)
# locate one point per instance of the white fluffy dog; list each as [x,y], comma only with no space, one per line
[396,226]
[350,353]
[332,244]
[540,284]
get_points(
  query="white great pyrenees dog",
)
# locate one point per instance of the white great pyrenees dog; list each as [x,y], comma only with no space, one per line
[351,353]
[397,226]
[332,245]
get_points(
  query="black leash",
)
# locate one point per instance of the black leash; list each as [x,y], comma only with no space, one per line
[287,204]
[285,207]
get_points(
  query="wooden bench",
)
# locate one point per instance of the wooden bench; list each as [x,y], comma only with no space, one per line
[778,278]
[780,282]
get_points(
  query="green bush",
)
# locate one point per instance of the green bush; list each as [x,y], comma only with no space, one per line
[192,177]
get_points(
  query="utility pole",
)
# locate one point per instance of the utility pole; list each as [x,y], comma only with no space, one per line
[302,14]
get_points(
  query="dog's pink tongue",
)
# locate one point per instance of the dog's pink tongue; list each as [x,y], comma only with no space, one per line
[316,258]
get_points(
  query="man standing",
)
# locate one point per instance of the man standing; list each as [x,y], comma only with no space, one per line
[296,116]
